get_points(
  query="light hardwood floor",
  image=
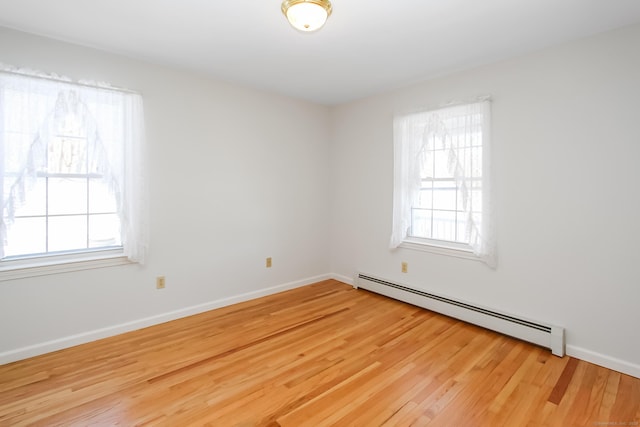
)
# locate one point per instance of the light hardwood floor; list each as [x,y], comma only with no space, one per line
[324,354]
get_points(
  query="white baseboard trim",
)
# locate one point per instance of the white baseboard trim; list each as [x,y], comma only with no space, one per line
[85,337]
[603,360]
[343,279]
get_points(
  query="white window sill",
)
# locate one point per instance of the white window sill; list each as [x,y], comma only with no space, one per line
[42,266]
[441,248]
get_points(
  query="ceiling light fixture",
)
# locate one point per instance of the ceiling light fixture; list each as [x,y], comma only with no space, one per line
[307,15]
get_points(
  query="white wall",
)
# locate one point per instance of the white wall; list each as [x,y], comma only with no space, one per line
[566,141]
[236,176]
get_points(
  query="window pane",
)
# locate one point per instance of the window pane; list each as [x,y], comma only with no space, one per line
[425,198]
[476,162]
[476,200]
[462,236]
[426,164]
[101,199]
[67,196]
[27,112]
[444,225]
[444,195]
[16,149]
[110,120]
[70,127]
[420,223]
[67,233]
[35,200]
[476,137]
[67,155]
[464,161]
[476,217]
[442,164]
[104,230]
[26,236]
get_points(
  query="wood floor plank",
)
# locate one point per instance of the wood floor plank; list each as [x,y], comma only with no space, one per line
[563,382]
[320,355]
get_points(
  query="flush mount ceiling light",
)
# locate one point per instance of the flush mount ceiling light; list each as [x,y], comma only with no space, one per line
[307,15]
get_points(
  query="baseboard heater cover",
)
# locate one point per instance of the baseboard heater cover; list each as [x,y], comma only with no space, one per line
[544,335]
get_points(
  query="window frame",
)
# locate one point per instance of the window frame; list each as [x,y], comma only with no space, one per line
[403,172]
[40,264]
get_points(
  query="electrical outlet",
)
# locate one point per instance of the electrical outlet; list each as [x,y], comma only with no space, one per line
[268,262]
[160,282]
[405,267]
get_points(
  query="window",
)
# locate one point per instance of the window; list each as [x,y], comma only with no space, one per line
[441,180]
[71,170]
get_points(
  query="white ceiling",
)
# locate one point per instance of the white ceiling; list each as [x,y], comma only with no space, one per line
[366,47]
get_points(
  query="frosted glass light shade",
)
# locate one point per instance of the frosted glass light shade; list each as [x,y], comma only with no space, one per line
[307,15]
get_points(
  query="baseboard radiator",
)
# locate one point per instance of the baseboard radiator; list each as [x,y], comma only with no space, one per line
[548,336]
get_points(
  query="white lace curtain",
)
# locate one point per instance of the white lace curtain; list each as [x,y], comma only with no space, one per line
[450,128]
[33,107]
